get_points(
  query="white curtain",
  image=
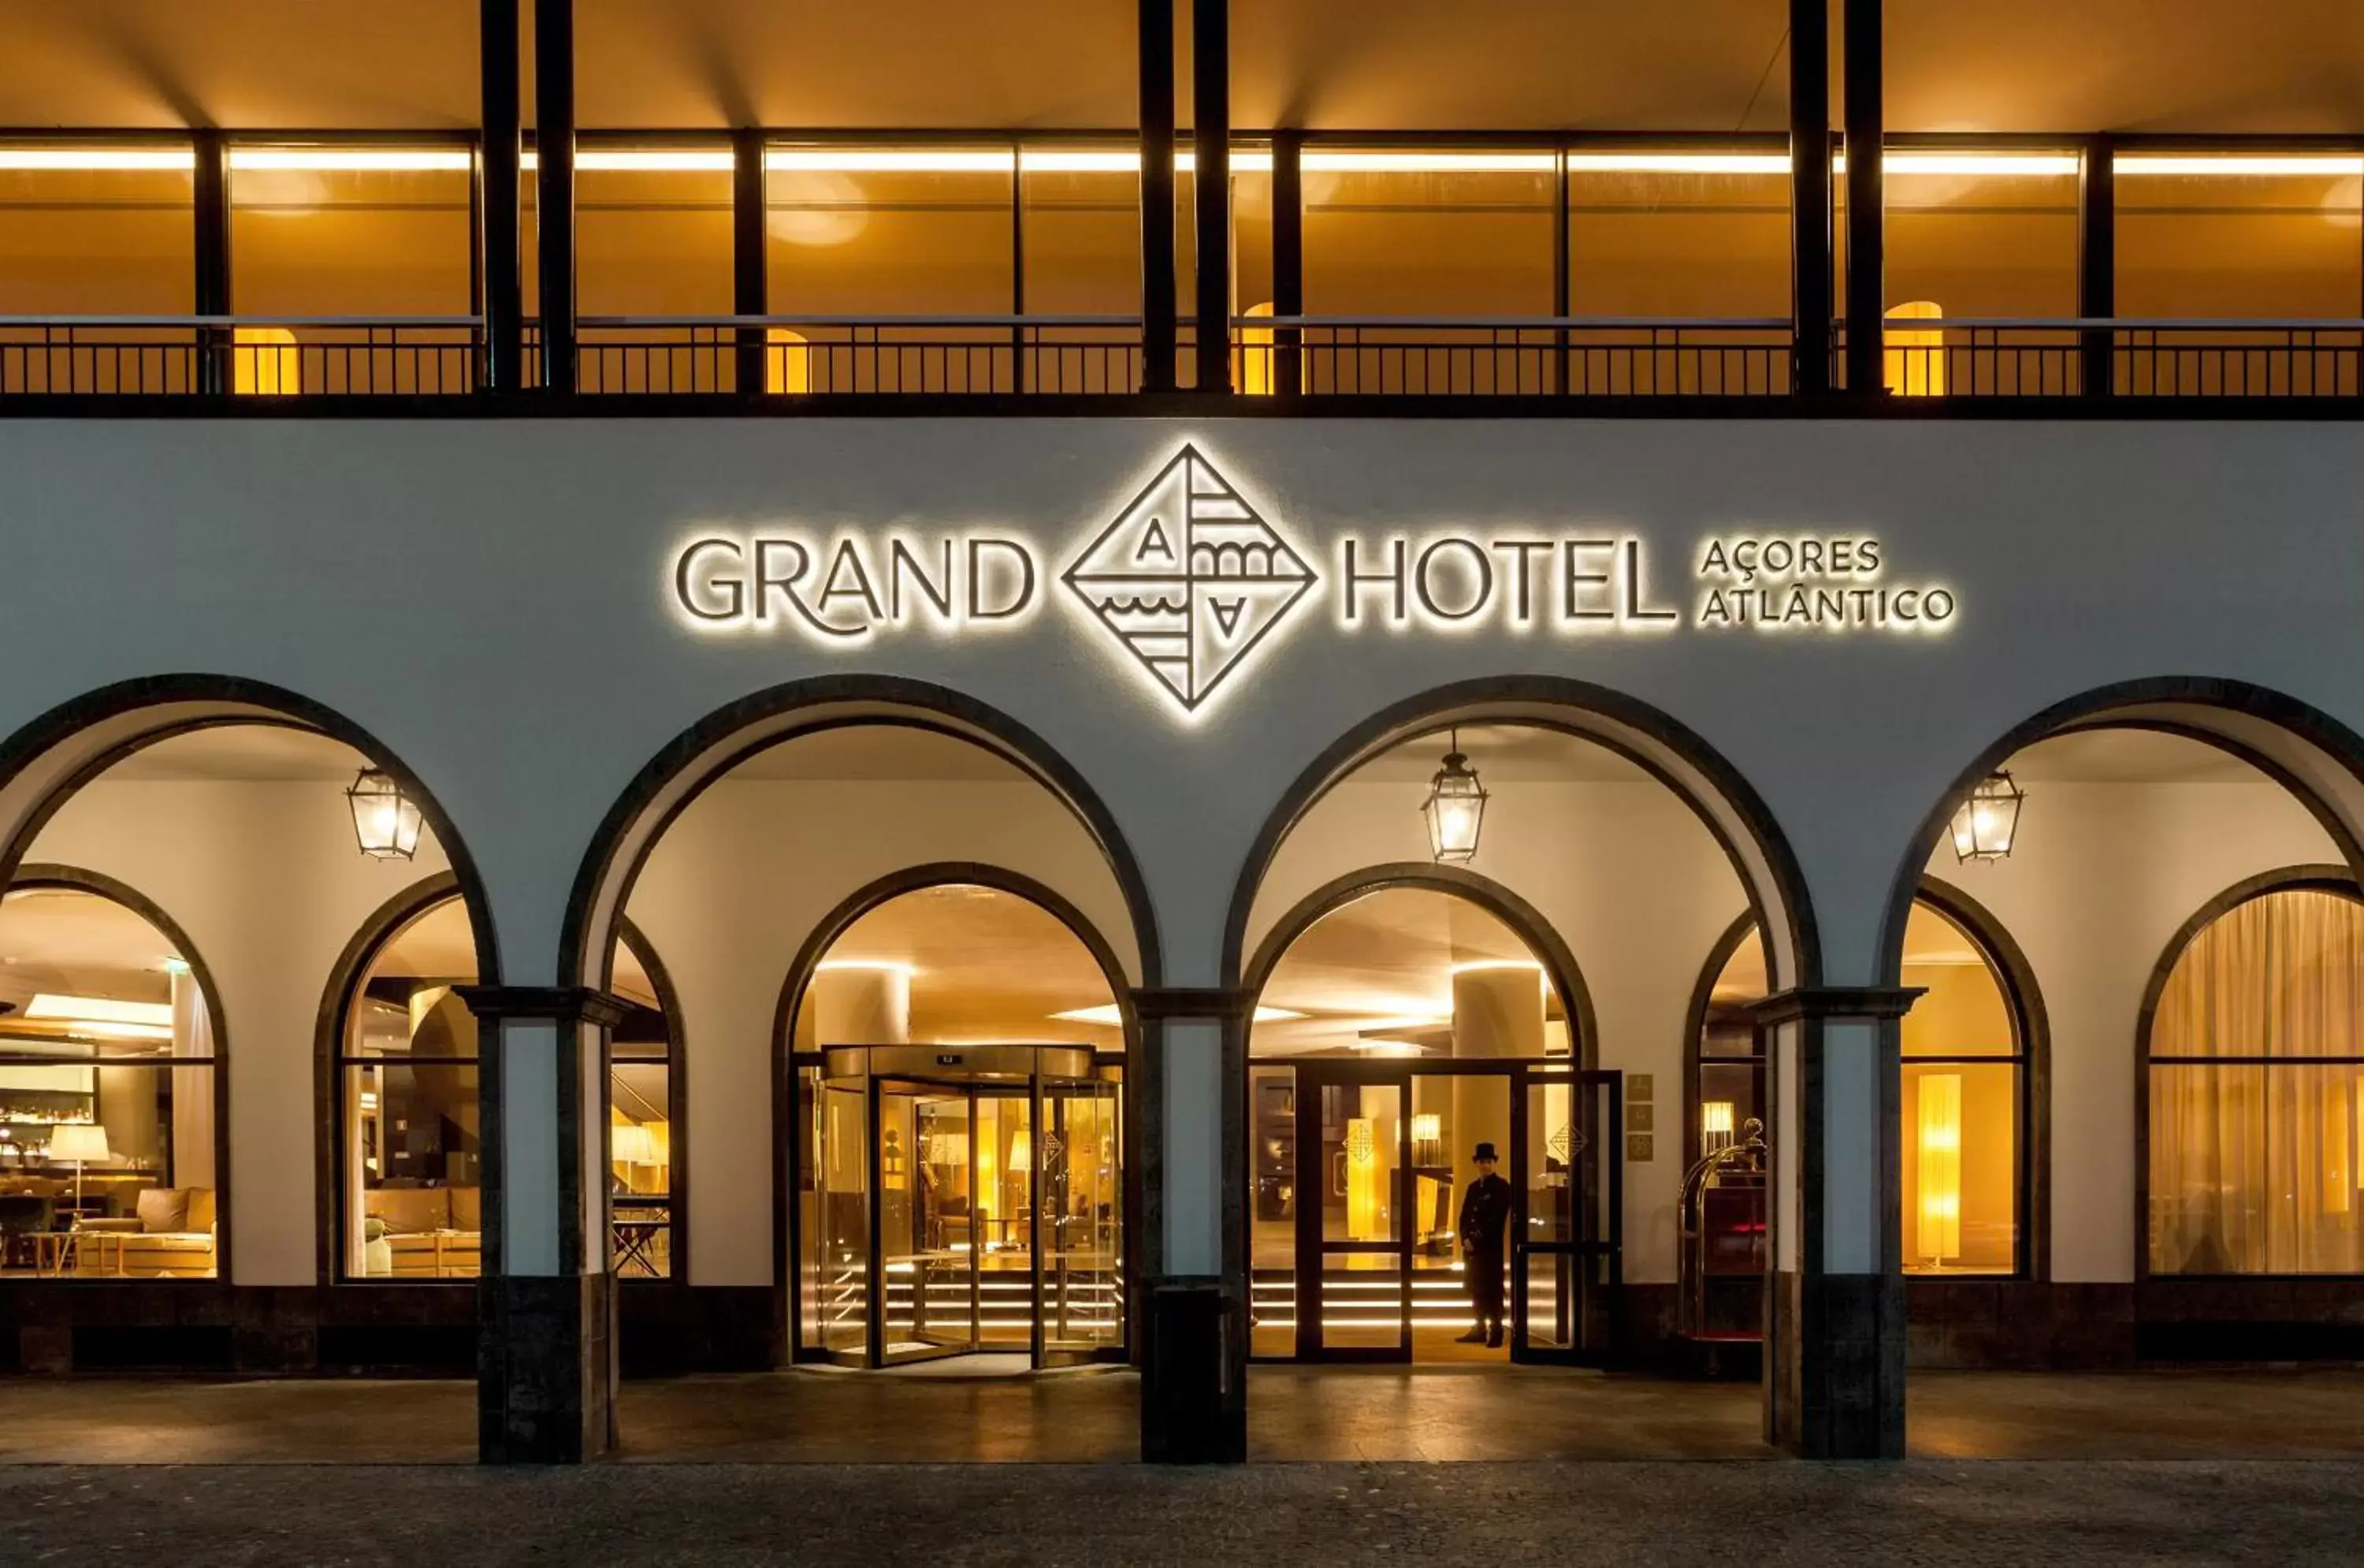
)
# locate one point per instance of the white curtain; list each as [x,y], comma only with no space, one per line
[2254,1165]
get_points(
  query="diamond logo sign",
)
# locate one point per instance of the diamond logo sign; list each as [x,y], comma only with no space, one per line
[1188,578]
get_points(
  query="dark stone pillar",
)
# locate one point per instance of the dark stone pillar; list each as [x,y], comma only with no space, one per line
[1194,1336]
[1158,285]
[499,180]
[553,143]
[1810,194]
[1834,1309]
[2097,265]
[1866,276]
[546,1363]
[1210,135]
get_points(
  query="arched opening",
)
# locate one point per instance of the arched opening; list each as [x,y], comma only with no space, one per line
[402,1075]
[2253,1074]
[112,1154]
[2147,1136]
[958,1048]
[408,1136]
[1607,841]
[1970,1106]
[744,854]
[272,827]
[1414,1059]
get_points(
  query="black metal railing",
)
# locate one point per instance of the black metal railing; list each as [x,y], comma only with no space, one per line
[1494,357]
[2121,358]
[1541,358]
[264,356]
[859,356]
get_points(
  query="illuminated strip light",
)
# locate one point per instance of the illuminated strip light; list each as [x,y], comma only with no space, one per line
[992,161]
[1981,164]
[2141,164]
[351,160]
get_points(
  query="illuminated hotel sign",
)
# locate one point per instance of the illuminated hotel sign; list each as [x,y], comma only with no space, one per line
[1188,578]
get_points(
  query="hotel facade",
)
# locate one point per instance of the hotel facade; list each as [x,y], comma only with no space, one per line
[724,692]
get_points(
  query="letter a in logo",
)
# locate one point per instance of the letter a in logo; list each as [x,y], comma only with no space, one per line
[1188,578]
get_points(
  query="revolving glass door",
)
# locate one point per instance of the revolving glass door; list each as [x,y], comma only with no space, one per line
[962,1201]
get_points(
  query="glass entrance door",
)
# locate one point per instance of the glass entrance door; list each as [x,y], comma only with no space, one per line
[1354,1238]
[952,1215]
[1079,1236]
[926,1180]
[1567,1252]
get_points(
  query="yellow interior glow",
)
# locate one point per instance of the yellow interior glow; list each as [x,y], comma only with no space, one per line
[351,160]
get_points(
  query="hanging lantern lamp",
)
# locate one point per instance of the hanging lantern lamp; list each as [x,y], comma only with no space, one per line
[385,820]
[1455,809]
[1985,823]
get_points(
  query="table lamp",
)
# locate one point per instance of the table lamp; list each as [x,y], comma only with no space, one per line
[78,1141]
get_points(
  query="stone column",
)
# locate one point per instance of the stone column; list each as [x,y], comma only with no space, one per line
[546,1303]
[1835,1309]
[1497,1011]
[1190,1109]
[860,1006]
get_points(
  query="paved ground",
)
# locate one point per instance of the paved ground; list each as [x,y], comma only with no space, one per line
[1303,1516]
[1362,1414]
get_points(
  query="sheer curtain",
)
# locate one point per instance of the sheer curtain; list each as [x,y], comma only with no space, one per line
[2254,1115]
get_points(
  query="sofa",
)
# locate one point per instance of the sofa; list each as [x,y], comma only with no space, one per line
[422,1232]
[169,1235]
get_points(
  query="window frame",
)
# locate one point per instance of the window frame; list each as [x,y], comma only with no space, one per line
[2336,880]
[335,1058]
[2031,1058]
[37,875]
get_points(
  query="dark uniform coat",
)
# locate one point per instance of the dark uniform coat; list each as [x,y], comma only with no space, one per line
[1485,1231]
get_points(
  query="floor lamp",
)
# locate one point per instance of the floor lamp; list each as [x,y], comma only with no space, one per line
[78,1141]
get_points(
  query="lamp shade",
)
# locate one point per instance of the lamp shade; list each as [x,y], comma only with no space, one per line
[632,1144]
[1941,1167]
[1987,822]
[1455,809]
[385,820]
[80,1141]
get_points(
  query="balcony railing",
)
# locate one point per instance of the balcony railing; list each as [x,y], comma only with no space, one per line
[1538,359]
[860,355]
[1495,357]
[179,355]
[2121,358]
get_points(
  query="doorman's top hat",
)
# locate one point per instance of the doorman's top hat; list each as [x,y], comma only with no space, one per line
[1485,1152]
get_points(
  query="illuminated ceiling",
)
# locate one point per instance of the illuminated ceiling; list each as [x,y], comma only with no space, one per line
[1710,65]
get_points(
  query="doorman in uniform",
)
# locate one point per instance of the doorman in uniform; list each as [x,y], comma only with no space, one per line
[1485,1232]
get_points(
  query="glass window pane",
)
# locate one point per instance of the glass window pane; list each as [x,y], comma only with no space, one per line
[97,242]
[1960,1168]
[838,1255]
[1962,1010]
[346,242]
[1361,1151]
[1420,237]
[1662,243]
[2280,245]
[108,1117]
[890,240]
[1272,1237]
[408,1108]
[1981,245]
[2254,1169]
[2277,975]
